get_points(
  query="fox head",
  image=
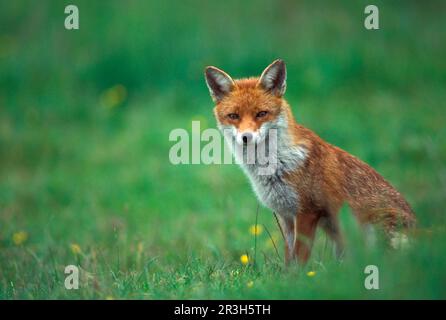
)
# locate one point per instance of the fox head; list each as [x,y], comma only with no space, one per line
[249,108]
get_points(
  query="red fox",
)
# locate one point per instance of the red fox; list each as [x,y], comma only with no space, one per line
[313,178]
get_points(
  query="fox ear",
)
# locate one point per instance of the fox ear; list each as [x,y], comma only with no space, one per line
[218,82]
[273,78]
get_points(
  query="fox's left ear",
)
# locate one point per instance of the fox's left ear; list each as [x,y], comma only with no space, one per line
[273,78]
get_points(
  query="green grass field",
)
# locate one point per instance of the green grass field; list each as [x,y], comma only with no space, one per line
[85,117]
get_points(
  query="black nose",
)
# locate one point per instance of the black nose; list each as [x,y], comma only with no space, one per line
[247,137]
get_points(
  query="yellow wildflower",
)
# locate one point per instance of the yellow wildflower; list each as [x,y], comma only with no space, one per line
[19,237]
[250,284]
[244,259]
[311,273]
[255,230]
[75,248]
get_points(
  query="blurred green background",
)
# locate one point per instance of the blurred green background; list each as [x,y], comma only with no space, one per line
[85,116]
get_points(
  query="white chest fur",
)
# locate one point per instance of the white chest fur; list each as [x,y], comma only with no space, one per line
[273,190]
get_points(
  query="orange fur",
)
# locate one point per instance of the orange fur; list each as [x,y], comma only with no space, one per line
[327,179]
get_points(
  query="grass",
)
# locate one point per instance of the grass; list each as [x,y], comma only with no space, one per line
[84,123]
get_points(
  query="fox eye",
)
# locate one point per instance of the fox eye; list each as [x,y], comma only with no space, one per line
[261,114]
[233,116]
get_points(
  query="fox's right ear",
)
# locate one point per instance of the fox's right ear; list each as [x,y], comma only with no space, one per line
[218,82]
